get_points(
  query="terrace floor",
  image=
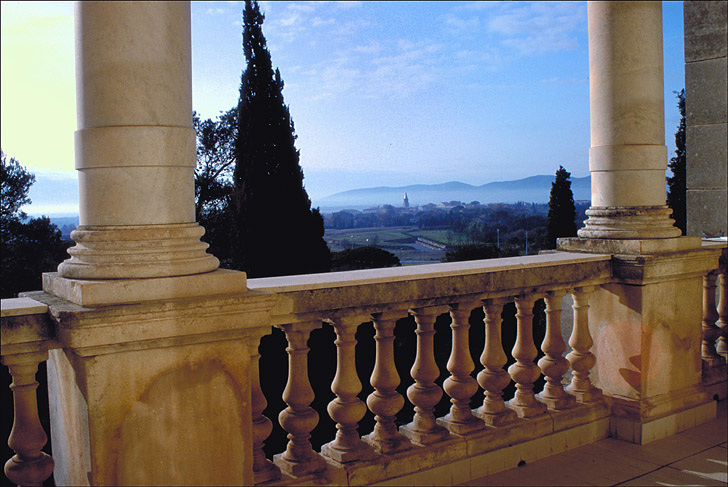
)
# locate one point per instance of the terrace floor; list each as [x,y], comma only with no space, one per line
[697,456]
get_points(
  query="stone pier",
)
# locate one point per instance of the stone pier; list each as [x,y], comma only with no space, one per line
[645,319]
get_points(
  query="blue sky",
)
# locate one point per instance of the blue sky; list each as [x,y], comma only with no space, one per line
[381,93]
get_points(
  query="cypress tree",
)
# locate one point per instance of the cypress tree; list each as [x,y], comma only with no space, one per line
[677,185]
[562,212]
[277,231]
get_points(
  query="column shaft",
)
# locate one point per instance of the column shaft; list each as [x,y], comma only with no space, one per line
[628,157]
[135,145]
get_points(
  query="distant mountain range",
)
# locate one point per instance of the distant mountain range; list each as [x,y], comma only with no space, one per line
[56,195]
[534,189]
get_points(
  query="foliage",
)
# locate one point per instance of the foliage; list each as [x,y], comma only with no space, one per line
[561,219]
[471,252]
[478,252]
[215,161]
[27,249]
[15,182]
[277,231]
[363,258]
[214,181]
[677,185]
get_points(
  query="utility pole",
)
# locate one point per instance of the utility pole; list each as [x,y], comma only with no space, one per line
[526,242]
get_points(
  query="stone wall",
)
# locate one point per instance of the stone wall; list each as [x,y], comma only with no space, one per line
[705,98]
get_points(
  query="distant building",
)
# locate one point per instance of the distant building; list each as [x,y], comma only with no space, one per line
[405,204]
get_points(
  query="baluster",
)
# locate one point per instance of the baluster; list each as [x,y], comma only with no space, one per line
[493,379]
[710,315]
[722,347]
[385,402]
[581,358]
[524,372]
[263,469]
[460,386]
[298,419]
[424,393]
[346,409]
[553,364]
[29,465]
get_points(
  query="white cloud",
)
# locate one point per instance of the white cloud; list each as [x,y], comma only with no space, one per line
[533,28]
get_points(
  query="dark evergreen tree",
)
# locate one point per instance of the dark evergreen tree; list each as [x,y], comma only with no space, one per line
[561,219]
[676,185]
[363,258]
[277,231]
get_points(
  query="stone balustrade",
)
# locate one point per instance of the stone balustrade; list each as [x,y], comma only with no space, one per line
[570,411]
[379,298]
[714,327]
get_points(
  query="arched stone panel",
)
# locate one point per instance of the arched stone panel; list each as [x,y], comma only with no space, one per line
[186,429]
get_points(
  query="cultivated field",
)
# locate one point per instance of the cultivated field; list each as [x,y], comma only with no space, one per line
[401,241]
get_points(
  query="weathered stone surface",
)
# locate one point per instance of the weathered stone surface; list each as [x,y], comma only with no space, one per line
[88,292]
[135,145]
[323,295]
[642,432]
[707,155]
[627,246]
[26,326]
[707,211]
[629,222]
[705,100]
[705,30]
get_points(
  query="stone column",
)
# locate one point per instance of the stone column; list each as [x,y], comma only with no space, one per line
[135,153]
[645,323]
[156,341]
[628,157]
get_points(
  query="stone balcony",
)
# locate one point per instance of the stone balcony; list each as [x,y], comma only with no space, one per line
[164,369]
[159,366]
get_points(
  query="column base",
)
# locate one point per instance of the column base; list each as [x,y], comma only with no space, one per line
[638,222]
[639,246]
[137,251]
[86,292]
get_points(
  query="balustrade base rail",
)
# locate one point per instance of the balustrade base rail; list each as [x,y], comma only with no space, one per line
[457,459]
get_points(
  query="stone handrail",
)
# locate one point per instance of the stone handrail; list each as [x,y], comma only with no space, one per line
[714,345]
[324,296]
